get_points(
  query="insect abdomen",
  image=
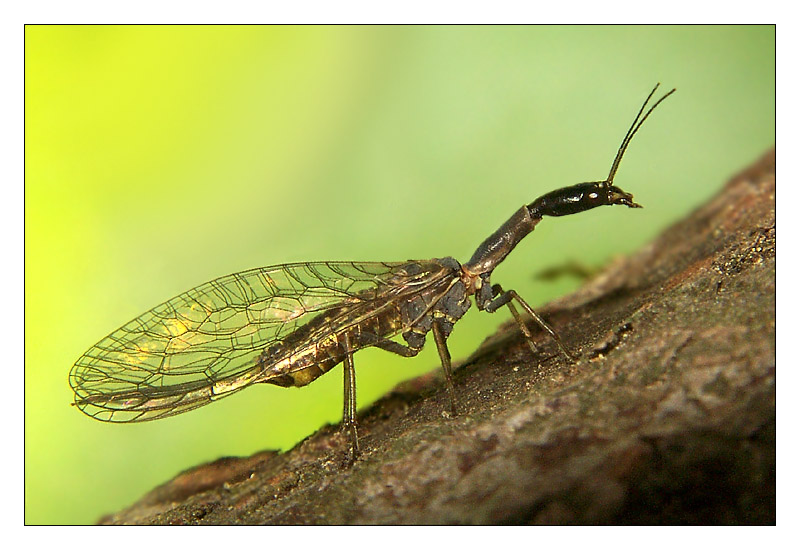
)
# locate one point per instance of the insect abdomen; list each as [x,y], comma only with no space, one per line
[306,365]
[324,359]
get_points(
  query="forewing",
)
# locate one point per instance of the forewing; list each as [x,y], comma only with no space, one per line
[202,345]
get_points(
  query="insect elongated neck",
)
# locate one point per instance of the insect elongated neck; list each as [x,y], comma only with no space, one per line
[561,202]
[494,250]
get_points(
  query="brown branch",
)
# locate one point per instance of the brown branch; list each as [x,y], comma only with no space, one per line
[667,418]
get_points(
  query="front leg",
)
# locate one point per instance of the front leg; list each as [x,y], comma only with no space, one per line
[506,298]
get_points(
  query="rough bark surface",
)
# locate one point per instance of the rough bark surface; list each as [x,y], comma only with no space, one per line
[667,417]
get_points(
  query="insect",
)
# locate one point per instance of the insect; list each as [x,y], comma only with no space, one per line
[289,324]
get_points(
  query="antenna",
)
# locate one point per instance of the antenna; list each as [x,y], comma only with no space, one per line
[637,123]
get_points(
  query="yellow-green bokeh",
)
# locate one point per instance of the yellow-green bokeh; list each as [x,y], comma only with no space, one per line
[161,157]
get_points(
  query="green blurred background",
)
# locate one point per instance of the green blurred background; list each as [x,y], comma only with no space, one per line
[158,158]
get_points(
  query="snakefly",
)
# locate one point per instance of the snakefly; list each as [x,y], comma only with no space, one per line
[289,324]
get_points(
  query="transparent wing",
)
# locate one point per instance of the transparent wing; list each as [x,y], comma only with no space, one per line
[203,344]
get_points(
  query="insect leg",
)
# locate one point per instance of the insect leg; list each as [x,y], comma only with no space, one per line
[520,321]
[505,298]
[444,355]
[409,351]
[388,345]
[349,414]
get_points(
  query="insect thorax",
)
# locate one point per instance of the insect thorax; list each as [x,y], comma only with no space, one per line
[445,304]
[411,316]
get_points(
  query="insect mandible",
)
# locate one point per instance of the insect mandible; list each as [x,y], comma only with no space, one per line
[289,324]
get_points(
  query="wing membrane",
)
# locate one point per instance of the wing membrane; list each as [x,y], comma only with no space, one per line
[202,345]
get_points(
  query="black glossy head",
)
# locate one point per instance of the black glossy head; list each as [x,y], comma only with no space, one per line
[561,202]
[585,196]
[579,198]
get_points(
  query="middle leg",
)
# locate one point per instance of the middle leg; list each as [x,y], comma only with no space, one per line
[444,356]
[411,351]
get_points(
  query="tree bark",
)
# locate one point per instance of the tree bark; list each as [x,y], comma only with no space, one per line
[667,417]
